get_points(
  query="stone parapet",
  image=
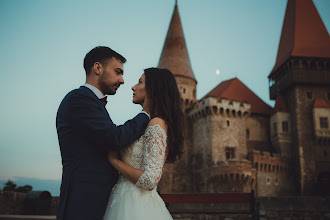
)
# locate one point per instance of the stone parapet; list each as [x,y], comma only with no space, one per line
[212,106]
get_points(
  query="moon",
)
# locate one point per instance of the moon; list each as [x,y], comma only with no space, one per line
[217,71]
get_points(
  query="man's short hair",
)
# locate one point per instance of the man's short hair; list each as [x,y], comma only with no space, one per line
[100,54]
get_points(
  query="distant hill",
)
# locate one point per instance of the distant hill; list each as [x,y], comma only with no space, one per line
[52,186]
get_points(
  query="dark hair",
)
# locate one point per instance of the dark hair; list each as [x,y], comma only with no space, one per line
[165,102]
[100,54]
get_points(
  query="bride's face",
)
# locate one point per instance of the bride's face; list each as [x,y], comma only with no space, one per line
[139,91]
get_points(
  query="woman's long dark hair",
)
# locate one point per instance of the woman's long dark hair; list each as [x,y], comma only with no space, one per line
[165,102]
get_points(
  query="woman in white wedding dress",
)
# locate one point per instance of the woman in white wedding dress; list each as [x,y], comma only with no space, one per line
[135,196]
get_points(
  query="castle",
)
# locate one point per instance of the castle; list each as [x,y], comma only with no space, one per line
[237,143]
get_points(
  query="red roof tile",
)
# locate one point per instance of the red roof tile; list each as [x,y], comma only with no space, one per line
[303,33]
[321,103]
[234,89]
[175,55]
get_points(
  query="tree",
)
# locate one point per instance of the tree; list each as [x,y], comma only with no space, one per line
[24,189]
[9,186]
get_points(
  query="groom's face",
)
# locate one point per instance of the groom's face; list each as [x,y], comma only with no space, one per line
[111,77]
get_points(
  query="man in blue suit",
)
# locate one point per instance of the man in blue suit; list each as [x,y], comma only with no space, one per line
[86,134]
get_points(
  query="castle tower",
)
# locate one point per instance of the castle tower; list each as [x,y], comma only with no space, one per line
[225,123]
[175,57]
[177,177]
[280,127]
[302,75]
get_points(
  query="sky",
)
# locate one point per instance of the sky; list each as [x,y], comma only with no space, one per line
[43,44]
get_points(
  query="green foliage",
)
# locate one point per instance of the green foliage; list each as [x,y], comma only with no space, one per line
[11,186]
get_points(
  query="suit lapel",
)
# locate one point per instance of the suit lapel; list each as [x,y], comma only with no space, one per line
[91,94]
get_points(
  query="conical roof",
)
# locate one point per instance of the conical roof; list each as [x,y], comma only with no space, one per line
[303,33]
[175,55]
[234,89]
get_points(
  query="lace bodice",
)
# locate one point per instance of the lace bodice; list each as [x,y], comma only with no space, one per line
[148,154]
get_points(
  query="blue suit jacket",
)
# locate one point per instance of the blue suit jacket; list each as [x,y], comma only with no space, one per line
[86,133]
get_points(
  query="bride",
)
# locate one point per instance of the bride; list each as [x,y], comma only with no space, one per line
[135,194]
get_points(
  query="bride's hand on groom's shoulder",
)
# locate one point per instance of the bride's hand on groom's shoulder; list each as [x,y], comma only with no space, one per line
[113,155]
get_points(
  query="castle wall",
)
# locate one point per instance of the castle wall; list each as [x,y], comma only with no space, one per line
[258,132]
[200,154]
[232,176]
[177,176]
[281,139]
[273,174]
[187,89]
[300,100]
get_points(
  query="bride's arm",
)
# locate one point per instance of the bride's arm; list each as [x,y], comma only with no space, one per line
[131,173]
[154,157]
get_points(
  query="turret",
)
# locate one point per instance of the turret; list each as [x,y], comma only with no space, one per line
[175,57]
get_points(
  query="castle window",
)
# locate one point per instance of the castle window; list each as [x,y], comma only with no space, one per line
[230,152]
[194,93]
[228,124]
[256,166]
[247,133]
[285,126]
[261,165]
[184,90]
[309,95]
[324,122]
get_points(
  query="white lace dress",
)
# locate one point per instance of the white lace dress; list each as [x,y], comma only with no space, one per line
[129,201]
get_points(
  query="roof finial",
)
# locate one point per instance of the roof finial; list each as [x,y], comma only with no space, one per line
[176,2]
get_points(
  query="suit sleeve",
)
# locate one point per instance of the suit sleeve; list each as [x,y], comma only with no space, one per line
[90,120]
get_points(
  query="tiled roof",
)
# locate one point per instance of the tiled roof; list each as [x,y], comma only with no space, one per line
[234,89]
[303,33]
[321,103]
[175,55]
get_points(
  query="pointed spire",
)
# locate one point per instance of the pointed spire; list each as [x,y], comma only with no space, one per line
[303,33]
[175,55]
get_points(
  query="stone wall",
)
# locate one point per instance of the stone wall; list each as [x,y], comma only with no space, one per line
[307,164]
[293,208]
[264,208]
[11,202]
[259,132]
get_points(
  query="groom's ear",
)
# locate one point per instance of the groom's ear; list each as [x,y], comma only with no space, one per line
[97,68]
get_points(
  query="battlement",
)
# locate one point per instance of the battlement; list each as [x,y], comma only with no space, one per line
[233,170]
[224,107]
[265,162]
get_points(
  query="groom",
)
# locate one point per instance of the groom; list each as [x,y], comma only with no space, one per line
[86,133]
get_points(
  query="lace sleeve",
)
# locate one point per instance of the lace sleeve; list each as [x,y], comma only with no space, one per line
[154,154]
